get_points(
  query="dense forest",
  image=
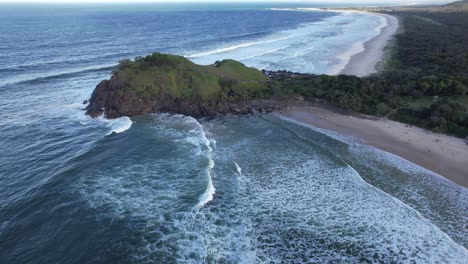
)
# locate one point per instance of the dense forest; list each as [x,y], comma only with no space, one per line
[424,83]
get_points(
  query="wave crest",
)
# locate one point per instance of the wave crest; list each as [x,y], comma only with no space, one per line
[119,125]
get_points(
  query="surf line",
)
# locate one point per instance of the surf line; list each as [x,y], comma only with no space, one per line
[208,195]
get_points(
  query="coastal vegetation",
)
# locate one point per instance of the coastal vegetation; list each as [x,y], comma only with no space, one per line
[383,97]
[429,63]
[170,83]
[457,6]
[156,74]
[424,83]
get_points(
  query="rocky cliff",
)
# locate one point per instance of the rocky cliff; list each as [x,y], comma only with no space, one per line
[173,84]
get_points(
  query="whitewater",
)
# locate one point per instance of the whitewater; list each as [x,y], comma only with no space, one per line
[165,188]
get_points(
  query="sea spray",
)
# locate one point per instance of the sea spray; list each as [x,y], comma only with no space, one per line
[118,125]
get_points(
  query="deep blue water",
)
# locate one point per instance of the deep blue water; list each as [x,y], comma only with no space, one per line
[172,189]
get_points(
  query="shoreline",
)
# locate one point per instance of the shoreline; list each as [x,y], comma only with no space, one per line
[444,155]
[368,61]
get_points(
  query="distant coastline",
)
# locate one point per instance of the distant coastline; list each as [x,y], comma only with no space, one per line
[367,62]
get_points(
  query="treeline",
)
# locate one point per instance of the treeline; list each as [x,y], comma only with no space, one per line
[430,58]
[430,44]
[349,92]
[150,61]
[383,97]
[444,116]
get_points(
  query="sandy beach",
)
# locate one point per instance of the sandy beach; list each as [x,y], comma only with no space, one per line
[368,61]
[444,155]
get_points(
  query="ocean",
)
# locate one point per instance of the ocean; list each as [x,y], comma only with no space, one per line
[165,188]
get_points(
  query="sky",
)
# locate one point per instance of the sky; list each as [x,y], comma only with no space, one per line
[367,2]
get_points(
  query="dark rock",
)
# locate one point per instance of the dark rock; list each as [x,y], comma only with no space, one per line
[108,99]
[173,84]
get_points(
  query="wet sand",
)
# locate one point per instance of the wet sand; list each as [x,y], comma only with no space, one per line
[368,61]
[442,154]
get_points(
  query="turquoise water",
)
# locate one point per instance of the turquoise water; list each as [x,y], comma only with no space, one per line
[172,189]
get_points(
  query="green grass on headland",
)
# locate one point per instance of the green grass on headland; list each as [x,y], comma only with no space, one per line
[170,75]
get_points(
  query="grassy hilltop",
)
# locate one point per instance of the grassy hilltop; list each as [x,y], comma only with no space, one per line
[174,84]
[149,77]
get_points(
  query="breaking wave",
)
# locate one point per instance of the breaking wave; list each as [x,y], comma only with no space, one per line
[320,47]
[56,74]
[119,125]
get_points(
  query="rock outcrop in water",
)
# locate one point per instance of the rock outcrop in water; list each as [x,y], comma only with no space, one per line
[173,84]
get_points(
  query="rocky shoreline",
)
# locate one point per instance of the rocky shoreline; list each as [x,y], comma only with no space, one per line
[172,84]
[108,101]
[111,99]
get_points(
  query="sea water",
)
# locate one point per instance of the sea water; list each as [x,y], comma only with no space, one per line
[172,189]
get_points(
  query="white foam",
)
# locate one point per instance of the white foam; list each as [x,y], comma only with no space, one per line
[151,189]
[356,48]
[417,187]
[275,37]
[285,206]
[238,168]
[303,205]
[213,143]
[244,45]
[316,47]
[198,138]
[210,191]
[345,57]
[31,77]
[302,9]
[337,136]
[401,203]
[264,53]
[221,50]
[118,125]
[356,145]
[59,59]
